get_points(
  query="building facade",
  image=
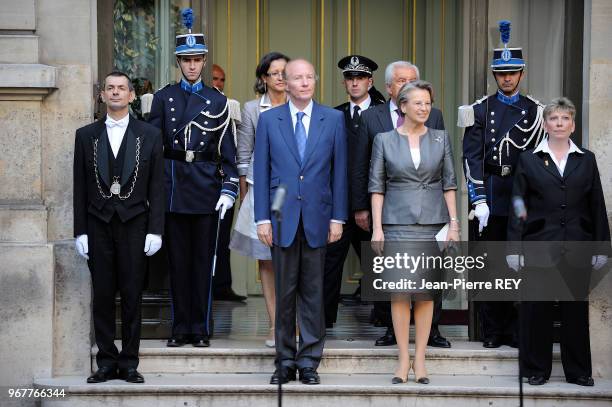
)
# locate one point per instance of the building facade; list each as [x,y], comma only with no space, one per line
[54,53]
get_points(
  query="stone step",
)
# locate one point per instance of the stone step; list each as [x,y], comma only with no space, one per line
[253,390]
[341,357]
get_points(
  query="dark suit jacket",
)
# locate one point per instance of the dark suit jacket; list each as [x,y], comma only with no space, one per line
[148,193]
[560,208]
[373,121]
[352,130]
[316,186]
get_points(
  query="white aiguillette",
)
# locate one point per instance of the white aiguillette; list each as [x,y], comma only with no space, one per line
[441,237]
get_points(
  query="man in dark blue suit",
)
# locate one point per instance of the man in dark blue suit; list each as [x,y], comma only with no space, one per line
[301,145]
[200,178]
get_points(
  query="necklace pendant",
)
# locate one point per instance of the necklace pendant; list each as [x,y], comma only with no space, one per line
[115,188]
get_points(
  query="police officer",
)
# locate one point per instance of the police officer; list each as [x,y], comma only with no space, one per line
[357,74]
[498,128]
[200,178]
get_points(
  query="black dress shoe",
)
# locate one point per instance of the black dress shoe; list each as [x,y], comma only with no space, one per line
[387,339]
[282,375]
[438,341]
[176,341]
[490,343]
[103,374]
[536,380]
[227,294]
[131,375]
[582,381]
[309,375]
[200,341]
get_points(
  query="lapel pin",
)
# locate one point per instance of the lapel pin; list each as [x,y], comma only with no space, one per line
[546,163]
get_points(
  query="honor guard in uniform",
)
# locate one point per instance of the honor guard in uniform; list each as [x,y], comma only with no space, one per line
[498,128]
[200,178]
[357,74]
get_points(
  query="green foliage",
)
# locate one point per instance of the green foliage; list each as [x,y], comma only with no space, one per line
[134,40]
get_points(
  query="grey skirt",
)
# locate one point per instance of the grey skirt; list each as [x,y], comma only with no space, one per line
[411,233]
[416,241]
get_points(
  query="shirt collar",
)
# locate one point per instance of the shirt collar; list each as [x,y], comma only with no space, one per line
[362,106]
[307,110]
[123,122]
[264,101]
[187,87]
[543,147]
[508,100]
[392,106]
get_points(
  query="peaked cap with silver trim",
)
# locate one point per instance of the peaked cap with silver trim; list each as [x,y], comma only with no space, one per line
[190,43]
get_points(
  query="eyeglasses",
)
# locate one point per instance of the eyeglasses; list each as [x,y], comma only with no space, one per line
[277,75]
[426,105]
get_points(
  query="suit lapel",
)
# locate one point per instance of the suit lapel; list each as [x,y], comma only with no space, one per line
[102,155]
[549,165]
[314,131]
[573,161]
[384,116]
[129,158]
[286,130]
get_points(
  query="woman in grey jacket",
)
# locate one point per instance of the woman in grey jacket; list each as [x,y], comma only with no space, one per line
[412,185]
[270,84]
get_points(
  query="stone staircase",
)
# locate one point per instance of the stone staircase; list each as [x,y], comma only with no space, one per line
[235,372]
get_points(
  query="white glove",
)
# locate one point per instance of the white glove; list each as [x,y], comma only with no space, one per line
[515,261]
[223,204]
[152,244]
[82,246]
[598,261]
[482,213]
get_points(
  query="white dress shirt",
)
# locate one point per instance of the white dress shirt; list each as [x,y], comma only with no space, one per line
[394,116]
[544,147]
[115,129]
[307,115]
[362,106]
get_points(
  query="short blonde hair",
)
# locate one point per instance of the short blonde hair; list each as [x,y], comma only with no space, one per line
[562,104]
[409,87]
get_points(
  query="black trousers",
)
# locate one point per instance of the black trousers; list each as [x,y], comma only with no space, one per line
[298,278]
[498,320]
[335,256]
[117,263]
[191,245]
[536,338]
[223,273]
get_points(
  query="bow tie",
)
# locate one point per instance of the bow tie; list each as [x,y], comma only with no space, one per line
[116,123]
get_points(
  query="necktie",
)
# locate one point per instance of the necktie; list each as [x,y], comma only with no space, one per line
[300,134]
[400,117]
[355,118]
[114,123]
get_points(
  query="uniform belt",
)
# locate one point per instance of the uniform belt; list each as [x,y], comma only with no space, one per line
[189,156]
[499,170]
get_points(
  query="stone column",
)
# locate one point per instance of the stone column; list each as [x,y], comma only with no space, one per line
[598,129]
[46,81]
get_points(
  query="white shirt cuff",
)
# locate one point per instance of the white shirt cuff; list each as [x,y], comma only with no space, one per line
[263,222]
[338,221]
